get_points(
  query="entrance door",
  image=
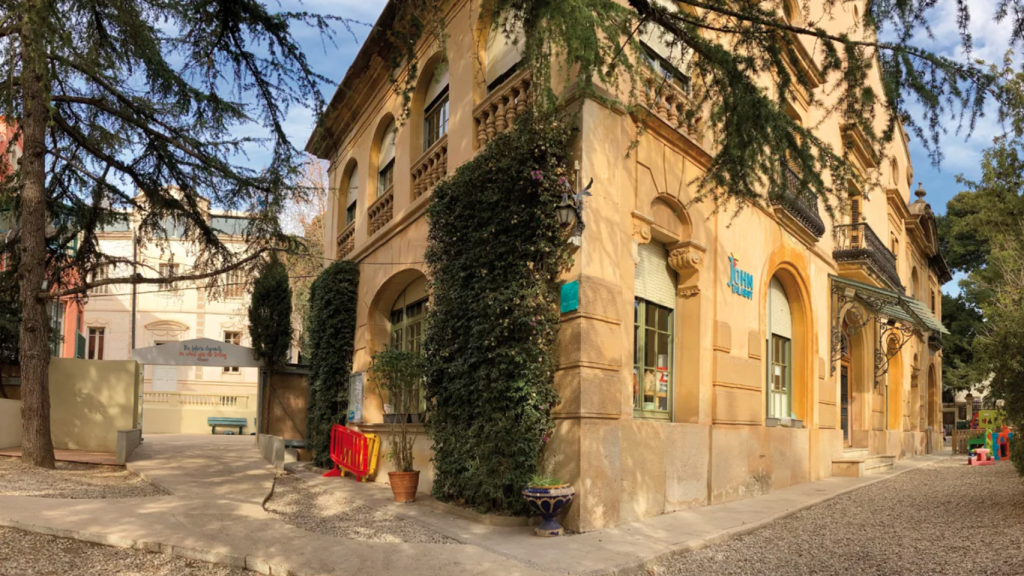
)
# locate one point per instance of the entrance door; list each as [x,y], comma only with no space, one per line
[844,401]
[165,378]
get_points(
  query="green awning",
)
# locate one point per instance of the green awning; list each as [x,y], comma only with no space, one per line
[894,305]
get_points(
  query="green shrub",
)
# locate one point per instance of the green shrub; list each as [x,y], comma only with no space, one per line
[332,328]
[495,252]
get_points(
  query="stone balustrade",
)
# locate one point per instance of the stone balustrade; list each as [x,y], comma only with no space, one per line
[347,240]
[430,168]
[498,111]
[186,399]
[381,211]
[671,103]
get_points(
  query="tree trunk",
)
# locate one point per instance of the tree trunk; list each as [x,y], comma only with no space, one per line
[36,443]
[3,391]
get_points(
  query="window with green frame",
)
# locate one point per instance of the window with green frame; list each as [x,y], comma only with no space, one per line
[407,331]
[652,360]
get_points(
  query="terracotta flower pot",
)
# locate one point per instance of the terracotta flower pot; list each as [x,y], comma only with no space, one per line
[404,484]
[548,502]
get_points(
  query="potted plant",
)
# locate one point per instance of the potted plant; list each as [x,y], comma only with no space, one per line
[548,496]
[396,375]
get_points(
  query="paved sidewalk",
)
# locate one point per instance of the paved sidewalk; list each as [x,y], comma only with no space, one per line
[631,548]
[219,484]
[216,514]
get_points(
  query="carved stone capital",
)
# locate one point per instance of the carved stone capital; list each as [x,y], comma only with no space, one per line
[641,231]
[686,256]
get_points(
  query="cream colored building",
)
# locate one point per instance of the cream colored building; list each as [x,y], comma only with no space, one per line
[710,359]
[177,398]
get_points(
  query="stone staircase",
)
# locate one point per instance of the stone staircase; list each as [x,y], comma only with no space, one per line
[856,462]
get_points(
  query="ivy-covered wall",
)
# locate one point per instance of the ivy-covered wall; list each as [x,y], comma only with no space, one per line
[495,252]
[332,328]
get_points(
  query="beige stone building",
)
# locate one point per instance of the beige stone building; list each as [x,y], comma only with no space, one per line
[177,399]
[710,358]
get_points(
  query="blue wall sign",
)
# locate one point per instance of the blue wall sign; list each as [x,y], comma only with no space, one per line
[741,282]
[570,296]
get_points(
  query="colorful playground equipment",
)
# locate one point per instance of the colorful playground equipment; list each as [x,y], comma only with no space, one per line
[994,443]
[353,452]
[980,457]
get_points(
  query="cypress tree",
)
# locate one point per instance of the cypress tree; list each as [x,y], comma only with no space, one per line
[270,313]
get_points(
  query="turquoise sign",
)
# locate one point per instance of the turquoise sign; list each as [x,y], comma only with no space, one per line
[742,283]
[570,296]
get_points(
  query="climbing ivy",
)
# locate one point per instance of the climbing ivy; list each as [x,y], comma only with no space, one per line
[332,328]
[495,252]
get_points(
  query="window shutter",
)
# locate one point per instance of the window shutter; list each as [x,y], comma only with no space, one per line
[387,146]
[353,187]
[501,54]
[855,210]
[438,82]
[654,280]
[780,317]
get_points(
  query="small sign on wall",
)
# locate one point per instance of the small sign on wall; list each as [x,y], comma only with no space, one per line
[741,283]
[570,296]
[355,397]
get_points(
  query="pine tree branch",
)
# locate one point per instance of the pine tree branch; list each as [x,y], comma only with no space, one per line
[86,286]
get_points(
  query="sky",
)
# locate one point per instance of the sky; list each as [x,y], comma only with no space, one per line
[962,152]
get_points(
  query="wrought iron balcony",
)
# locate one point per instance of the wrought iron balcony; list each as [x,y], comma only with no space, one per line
[800,204]
[857,243]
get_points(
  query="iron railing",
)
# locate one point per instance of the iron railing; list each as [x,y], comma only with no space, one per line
[801,204]
[858,243]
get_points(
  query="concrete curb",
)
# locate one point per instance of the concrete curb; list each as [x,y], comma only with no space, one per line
[249,562]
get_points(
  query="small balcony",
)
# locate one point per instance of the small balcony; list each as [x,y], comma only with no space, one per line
[347,240]
[858,244]
[498,111]
[668,101]
[430,168]
[381,211]
[799,204]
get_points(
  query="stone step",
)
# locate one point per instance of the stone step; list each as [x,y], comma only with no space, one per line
[862,465]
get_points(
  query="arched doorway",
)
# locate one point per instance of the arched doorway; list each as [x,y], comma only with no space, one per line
[894,393]
[932,407]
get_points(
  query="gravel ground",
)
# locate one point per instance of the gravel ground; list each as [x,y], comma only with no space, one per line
[316,509]
[29,554]
[947,518]
[72,480]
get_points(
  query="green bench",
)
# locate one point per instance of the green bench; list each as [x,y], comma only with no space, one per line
[214,421]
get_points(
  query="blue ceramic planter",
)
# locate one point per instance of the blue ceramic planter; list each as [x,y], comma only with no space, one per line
[548,502]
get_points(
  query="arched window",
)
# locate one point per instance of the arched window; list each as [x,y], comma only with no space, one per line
[666,56]
[386,160]
[352,195]
[653,330]
[913,283]
[408,315]
[502,54]
[780,352]
[435,109]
